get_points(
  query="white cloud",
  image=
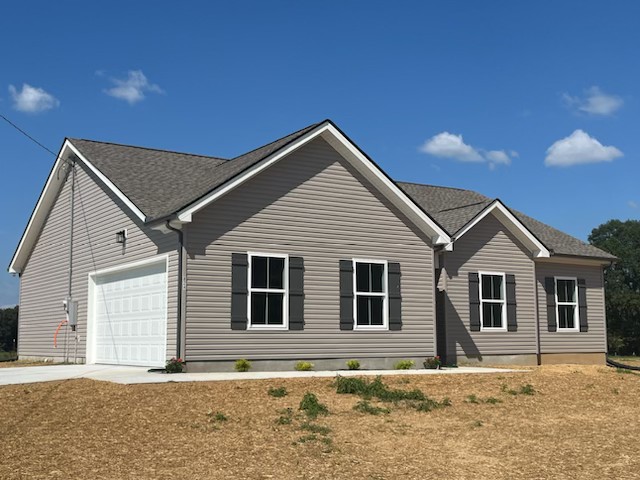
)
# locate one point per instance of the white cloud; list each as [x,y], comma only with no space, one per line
[579,148]
[32,99]
[595,102]
[632,204]
[132,89]
[450,145]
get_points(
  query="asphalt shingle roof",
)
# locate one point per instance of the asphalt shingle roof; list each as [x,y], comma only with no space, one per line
[161,182]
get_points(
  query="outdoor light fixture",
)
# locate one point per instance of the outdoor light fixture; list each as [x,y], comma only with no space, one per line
[121,236]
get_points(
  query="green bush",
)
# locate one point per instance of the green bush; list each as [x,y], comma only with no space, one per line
[303,366]
[312,407]
[364,406]
[353,364]
[278,392]
[243,365]
[404,365]
[527,389]
[314,428]
[175,365]
[375,389]
[472,399]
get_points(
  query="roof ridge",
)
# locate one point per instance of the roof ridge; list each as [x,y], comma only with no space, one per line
[440,186]
[308,127]
[150,148]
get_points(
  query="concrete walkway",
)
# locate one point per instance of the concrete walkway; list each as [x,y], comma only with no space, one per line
[133,375]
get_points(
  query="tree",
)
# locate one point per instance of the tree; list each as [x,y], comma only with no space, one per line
[8,329]
[622,280]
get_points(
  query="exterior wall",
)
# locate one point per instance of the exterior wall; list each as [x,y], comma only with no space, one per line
[595,340]
[311,204]
[44,281]
[489,246]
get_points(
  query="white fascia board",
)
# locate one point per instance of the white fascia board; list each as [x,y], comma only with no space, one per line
[48,197]
[514,225]
[355,157]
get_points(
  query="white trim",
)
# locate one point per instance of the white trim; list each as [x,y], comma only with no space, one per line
[47,199]
[384,294]
[503,328]
[91,278]
[284,291]
[354,156]
[514,225]
[575,305]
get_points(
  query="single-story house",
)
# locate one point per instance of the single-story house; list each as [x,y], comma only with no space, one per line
[303,249]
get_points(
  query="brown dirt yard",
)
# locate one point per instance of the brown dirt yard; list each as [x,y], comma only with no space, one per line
[581,422]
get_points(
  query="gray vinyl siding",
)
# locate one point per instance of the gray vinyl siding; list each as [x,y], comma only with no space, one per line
[593,341]
[44,281]
[489,246]
[314,205]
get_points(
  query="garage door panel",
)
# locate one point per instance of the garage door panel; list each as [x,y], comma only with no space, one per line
[131,316]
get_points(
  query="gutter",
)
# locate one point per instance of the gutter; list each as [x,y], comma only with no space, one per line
[179,319]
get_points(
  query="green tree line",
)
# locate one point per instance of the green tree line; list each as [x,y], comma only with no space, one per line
[622,283]
[8,329]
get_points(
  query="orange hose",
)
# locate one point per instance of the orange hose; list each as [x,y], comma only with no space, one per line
[55,335]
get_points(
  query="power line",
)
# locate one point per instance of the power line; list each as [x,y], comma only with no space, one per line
[28,136]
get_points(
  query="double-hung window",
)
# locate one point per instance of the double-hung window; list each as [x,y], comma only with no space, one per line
[493,312]
[268,291]
[567,304]
[370,294]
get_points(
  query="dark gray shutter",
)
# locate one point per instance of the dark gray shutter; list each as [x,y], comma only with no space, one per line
[346,295]
[474,302]
[239,265]
[512,324]
[296,293]
[550,288]
[395,298]
[582,304]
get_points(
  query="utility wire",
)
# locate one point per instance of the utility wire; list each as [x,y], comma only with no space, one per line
[28,136]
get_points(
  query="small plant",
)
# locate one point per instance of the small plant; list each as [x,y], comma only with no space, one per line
[477,423]
[314,428]
[308,438]
[303,366]
[286,417]
[527,389]
[312,407]
[429,404]
[493,400]
[472,399]
[277,392]
[375,389]
[353,364]
[508,390]
[364,406]
[616,391]
[175,365]
[404,365]
[432,363]
[216,416]
[243,365]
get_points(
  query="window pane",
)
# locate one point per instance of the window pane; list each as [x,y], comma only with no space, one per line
[276,272]
[566,316]
[566,290]
[363,310]
[259,272]
[375,305]
[497,286]
[362,277]
[377,274]
[274,303]
[491,315]
[492,287]
[258,308]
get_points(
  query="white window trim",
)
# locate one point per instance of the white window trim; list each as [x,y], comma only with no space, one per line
[503,328]
[384,295]
[576,310]
[285,291]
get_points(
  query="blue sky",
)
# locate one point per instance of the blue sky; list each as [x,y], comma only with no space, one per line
[536,103]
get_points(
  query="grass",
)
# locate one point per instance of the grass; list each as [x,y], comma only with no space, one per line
[278,392]
[147,431]
[6,356]
[312,406]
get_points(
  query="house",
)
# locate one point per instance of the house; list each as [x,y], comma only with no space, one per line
[301,249]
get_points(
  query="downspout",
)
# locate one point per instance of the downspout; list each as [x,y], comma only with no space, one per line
[537,313]
[179,318]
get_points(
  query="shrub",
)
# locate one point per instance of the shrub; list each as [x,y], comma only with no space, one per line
[303,366]
[314,428]
[429,404]
[286,417]
[375,389]
[243,365]
[364,406]
[175,365]
[493,400]
[277,392]
[404,365]
[432,363]
[527,389]
[472,399]
[312,407]
[353,364]
[216,416]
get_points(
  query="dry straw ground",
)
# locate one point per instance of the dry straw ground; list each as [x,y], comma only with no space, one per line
[581,423]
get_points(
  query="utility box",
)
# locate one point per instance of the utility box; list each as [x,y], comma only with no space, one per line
[71,308]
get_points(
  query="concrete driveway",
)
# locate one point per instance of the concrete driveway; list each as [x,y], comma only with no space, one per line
[132,375]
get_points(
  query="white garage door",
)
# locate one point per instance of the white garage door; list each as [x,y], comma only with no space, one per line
[130,316]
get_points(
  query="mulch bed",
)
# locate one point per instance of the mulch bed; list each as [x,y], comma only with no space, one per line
[581,422]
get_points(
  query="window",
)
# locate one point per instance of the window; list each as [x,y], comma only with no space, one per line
[567,304]
[268,291]
[492,301]
[370,278]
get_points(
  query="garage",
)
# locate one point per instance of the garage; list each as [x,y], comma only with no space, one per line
[128,311]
